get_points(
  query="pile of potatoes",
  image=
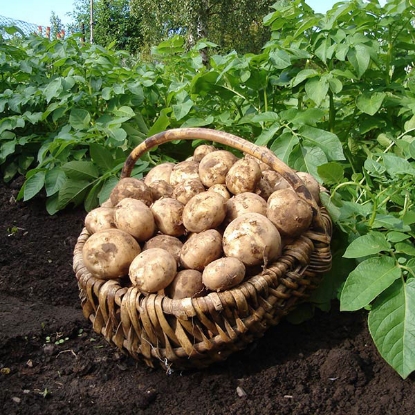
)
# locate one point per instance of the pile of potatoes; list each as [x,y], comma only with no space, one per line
[204,224]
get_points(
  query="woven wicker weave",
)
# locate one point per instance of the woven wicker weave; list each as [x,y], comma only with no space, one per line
[196,332]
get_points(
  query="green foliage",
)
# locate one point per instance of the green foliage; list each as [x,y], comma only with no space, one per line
[330,94]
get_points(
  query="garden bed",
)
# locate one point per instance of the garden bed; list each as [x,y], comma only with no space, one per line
[51,361]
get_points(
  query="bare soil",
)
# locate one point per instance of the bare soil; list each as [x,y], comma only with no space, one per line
[51,361]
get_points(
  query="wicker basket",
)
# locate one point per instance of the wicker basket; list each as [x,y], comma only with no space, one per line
[196,332]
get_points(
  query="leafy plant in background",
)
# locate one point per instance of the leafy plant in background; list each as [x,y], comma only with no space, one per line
[330,94]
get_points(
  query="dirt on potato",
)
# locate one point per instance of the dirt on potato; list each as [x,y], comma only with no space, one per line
[51,361]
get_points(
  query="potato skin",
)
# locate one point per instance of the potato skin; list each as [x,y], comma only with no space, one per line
[185,190]
[245,203]
[290,214]
[243,176]
[214,167]
[99,219]
[204,211]
[108,254]
[311,183]
[152,270]
[167,242]
[200,249]
[160,188]
[160,172]
[185,170]
[133,188]
[187,283]
[253,239]
[223,274]
[201,151]
[168,215]
[221,189]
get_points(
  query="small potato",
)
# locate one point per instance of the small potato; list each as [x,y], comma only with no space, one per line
[99,219]
[289,213]
[135,217]
[214,167]
[187,283]
[152,270]
[108,254]
[253,239]
[160,188]
[201,151]
[263,166]
[243,176]
[200,249]
[184,191]
[160,172]
[133,188]
[107,203]
[223,274]
[204,211]
[185,170]
[167,242]
[168,215]
[311,183]
[221,189]
[245,203]
[269,182]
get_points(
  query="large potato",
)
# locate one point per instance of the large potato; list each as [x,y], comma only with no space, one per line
[131,187]
[311,183]
[201,151]
[99,219]
[269,183]
[221,189]
[168,215]
[204,211]
[108,254]
[223,274]
[160,188]
[253,239]
[167,242]
[135,217]
[160,172]
[245,203]
[187,283]
[214,167]
[243,176]
[152,270]
[200,249]
[290,214]
[185,190]
[185,170]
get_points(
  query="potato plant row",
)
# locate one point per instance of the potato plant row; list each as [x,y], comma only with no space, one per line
[204,224]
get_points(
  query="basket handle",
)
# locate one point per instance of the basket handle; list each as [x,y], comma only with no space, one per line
[230,140]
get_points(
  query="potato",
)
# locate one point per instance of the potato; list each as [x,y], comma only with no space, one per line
[160,172]
[184,191]
[269,182]
[108,254]
[214,167]
[245,203]
[133,188]
[311,183]
[221,189]
[200,249]
[107,203]
[135,217]
[168,215]
[160,188]
[152,270]
[99,219]
[204,211]
[201,151]
[243,176]
[253,239]
[185,170]
[187,283]
[263,166]
[167,242]
[289,213]
[223,274]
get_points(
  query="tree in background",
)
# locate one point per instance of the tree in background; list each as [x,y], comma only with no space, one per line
[113,23]
[56,26]
[231,24]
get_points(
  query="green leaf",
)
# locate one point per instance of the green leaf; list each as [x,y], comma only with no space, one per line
[124,112]
[370,102]
[316,89]
[162,122]
[73,191]
[79,119]
[198,122]
[392,326]
[54,180]
[119,134]
[331,172]
[267,135]
[34,185]
[280,59]
[303,75]
[369,279]
[6,149]
[101,156]
[283,145]
[359,57]
[80,170]
[396,165]
[53,89]
[182,109]
[394,236]
[326,140]
[405,248]
[370,244]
